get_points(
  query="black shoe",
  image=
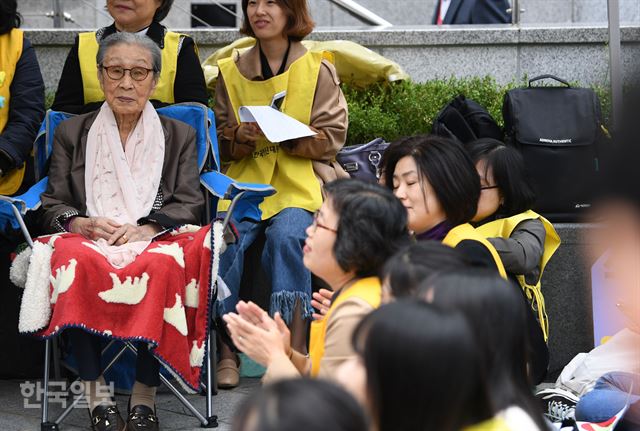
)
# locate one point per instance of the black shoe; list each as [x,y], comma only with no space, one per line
[106,418]
[142,418]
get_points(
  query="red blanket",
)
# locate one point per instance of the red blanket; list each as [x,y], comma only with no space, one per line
[162,297]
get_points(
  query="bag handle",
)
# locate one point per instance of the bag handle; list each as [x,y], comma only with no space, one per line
[541,77]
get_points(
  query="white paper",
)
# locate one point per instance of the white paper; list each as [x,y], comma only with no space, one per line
[275,125]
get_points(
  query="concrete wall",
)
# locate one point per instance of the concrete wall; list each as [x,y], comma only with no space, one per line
[91,14]
[507,53]
[566,285]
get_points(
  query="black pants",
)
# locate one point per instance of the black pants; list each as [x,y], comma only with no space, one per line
[87,349]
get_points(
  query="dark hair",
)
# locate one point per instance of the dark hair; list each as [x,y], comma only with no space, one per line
[299,21]
[509,174]
[447,167]
[163,10]
[372,225]
[417,262]
[9,16]
[496,311]
[411,350]
[300,404]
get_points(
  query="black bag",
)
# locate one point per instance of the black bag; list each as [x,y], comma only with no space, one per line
[363,161]
[560,135]
[465,120]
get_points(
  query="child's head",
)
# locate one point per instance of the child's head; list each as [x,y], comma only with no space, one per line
[300,404]
[496,312]
[405,270]
[422,367]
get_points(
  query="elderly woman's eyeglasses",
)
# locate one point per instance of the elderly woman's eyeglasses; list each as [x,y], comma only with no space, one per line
[117,72]
[316,224]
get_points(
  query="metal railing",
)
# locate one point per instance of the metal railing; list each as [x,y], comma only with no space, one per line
[515,10]
[60,16]
[363,14]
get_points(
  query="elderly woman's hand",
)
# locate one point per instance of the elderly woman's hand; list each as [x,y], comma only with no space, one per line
[94,227]
[263,342]
[131,233]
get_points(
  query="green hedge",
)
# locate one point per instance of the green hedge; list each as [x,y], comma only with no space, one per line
[405,108]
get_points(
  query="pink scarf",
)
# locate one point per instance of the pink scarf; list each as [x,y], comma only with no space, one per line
[122,183]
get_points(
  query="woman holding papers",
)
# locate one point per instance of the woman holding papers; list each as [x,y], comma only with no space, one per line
[278,64]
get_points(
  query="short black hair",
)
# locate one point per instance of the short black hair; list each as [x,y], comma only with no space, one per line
[509,174]
[372,225]
[410,350]
[417,262]
[447,167]
[496,309]
[300,404]
[9,16]
[163,10]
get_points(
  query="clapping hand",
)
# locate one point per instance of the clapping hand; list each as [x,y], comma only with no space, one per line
[254,332]
[321,302]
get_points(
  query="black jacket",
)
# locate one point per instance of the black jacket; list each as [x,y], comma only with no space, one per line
[26,110]
[475,12]
[189,85]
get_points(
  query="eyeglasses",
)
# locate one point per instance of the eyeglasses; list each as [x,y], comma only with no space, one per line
[117,72]
[316,224]
[488,187]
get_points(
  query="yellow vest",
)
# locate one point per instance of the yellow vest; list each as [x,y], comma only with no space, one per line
[10,52]
[88,49]
[291,176]
[466,231]
[495,424]
[367,289]
[503,228]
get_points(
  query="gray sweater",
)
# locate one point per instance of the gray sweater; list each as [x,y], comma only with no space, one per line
[521,253]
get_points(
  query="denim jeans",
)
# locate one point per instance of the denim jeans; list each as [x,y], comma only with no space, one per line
[281,260]
[608,397]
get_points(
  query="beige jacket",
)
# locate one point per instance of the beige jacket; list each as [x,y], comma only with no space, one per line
[337,344]
[329,116]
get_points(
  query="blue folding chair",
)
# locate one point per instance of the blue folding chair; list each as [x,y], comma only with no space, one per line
[244,197]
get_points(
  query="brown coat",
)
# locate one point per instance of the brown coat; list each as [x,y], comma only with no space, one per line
[329,117]
[183,201]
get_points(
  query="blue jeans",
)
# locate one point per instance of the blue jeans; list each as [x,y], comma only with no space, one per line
[608,397]
[281,261]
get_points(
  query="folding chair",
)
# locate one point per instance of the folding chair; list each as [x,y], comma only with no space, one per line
[244,197]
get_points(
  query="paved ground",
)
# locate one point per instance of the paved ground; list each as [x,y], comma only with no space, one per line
[173,416]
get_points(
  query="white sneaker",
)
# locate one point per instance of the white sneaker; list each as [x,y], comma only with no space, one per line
[558,404]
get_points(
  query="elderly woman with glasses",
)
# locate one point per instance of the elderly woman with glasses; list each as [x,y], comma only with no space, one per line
[118,177]
[181,79]
[358,227]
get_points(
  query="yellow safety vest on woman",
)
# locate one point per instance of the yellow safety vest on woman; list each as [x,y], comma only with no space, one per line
[10,52]
[88,49]
[494,424]
[503,228]
[467,232]
[292,176]
[368,289]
